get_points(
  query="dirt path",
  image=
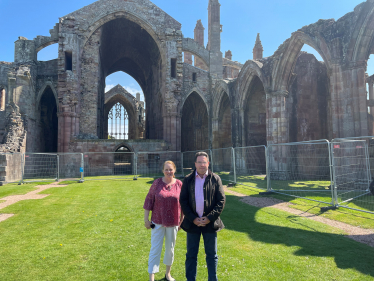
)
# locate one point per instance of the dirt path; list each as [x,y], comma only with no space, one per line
[358,234]
[9,200]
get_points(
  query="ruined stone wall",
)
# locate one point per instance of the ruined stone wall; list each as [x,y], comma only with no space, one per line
[202,83]
[309,101]
[111,145]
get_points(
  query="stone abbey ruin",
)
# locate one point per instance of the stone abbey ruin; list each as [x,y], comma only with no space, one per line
[195,98]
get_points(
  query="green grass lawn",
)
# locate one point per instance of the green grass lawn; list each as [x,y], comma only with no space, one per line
[95,231]
[15,189]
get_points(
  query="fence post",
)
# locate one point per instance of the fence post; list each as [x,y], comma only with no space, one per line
[58,167]
[182,164]
[82,169]
[333,188]
[211,159]
[267,157]
[234,162]
[136,166]
[22,168]
[367,156]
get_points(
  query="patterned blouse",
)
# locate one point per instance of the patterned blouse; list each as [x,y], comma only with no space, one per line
[164,203]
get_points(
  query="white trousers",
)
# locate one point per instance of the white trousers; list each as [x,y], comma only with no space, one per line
[157,239]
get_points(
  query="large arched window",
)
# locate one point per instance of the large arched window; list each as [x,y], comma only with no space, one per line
[118,123]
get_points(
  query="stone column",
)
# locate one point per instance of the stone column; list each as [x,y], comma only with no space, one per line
[348,100]
[371,97]
[215,133]
[172,131]
[66,123]
[277,130]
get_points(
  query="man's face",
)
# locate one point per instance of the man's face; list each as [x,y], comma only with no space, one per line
[201,164]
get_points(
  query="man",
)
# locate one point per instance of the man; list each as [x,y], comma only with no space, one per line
[202,200]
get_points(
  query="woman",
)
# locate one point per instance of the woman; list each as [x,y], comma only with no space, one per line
[163,201]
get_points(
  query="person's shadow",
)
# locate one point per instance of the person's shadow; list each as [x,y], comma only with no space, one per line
[347,253]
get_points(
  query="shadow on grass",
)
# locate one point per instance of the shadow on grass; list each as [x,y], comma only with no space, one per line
[347,253]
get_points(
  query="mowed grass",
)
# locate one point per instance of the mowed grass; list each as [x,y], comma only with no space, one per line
[253,185]
[15,189]
[95,231]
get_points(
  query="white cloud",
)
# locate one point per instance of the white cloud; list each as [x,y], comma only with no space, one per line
[108,87]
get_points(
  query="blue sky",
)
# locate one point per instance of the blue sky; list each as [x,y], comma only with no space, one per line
[275,20]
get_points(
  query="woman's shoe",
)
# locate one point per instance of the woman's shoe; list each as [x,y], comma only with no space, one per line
[172,279]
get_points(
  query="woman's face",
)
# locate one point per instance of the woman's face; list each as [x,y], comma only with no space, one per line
[169,170]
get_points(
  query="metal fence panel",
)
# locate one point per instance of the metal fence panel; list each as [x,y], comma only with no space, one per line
[352,174]
[70,165]
[301,169]
[224,163]
[40,167]
[250,166]
[149,164]
[188,161]
[109,165]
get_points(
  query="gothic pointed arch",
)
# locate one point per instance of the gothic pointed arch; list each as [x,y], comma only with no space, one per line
[48,121]
[48,84]
[195,124]
[250,70]
[287,54]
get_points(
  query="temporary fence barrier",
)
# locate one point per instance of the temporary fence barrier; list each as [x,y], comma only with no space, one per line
[188,161]
[250,166]
[223,160]
[40,167]
[370,145]
[149,164]
[301,169]
[351,172]
[109,165]
[70,166]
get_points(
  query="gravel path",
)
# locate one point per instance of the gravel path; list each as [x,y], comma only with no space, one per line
[358,234]
[9,200]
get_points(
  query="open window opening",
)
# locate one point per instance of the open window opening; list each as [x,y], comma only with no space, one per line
[194,77]
[173,68]
[2,99]
[69,60]
[48,53]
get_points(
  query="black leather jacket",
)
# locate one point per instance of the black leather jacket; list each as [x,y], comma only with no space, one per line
[214,202]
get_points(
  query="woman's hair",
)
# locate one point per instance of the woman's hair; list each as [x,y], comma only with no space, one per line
[171,163]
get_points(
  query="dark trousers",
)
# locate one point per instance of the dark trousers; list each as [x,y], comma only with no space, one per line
[210,244]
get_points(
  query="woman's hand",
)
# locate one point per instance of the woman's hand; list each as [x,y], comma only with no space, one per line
[147,224]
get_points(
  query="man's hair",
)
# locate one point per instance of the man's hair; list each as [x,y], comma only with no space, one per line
[201,153]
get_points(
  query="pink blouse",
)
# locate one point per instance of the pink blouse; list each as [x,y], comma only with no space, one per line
[164,203]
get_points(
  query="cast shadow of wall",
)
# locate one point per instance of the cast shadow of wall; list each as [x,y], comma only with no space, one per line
[239,216]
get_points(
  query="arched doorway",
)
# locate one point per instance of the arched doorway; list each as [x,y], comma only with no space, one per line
[123,161]
[48,122]
[224,124]
[125,46]
[255,114]
[195,129]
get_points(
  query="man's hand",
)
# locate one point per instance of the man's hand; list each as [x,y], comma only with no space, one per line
[204,221]
[197,221]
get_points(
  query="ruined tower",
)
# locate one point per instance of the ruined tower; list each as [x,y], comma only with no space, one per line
[199,38]
[258,49]
[214,40]
[228,55]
